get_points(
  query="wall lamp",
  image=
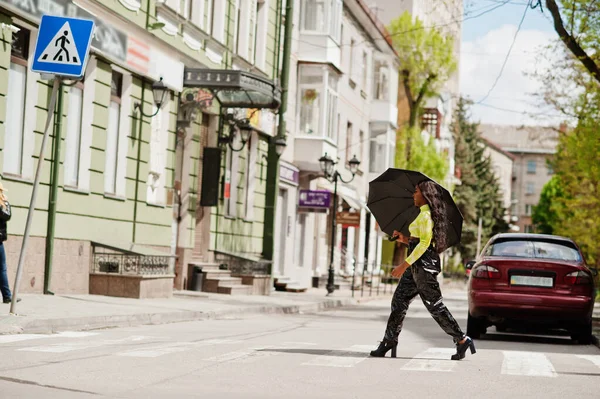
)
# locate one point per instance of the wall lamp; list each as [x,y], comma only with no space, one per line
[159,92]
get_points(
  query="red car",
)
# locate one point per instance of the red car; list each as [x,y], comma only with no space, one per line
[531,279]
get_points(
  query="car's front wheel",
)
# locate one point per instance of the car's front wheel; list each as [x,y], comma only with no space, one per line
[475,327]
[583,334]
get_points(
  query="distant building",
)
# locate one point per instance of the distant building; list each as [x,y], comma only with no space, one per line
[502,165]
[532,147]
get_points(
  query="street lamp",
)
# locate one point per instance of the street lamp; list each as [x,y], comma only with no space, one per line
[327,167]
[159,92]
[280,145]
[242,126]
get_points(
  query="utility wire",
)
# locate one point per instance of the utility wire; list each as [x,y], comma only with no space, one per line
[507,55]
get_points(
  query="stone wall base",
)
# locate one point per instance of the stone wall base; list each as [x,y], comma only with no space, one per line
[70,265]
[261,285]
[139,287]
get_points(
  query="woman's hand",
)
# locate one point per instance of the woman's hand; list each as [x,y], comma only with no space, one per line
[399,270]
[401,237]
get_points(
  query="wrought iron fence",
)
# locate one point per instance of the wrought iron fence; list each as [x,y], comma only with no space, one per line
[373,279]
[243,266]
[130,264]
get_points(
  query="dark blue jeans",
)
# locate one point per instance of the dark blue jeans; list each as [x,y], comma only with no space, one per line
[6,295]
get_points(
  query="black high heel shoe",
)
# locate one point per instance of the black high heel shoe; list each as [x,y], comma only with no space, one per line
[384,347]
[461,349]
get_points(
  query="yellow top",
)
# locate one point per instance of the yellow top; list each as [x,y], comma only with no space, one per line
[422,228]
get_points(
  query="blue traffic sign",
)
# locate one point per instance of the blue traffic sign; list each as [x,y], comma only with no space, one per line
[63,45]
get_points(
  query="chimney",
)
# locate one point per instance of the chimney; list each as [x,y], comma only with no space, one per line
[563,128]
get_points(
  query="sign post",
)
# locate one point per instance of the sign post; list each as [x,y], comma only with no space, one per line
[62,50]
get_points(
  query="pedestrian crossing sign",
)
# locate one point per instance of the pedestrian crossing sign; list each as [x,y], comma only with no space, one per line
[63,45]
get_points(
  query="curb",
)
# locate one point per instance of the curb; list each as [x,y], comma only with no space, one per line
[50,326]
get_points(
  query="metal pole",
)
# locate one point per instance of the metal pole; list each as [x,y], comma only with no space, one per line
[137,161]
[479,227]
[330,285]
[36,183]
[53,193]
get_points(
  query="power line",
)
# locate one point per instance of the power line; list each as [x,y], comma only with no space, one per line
[451,22]
[507,55]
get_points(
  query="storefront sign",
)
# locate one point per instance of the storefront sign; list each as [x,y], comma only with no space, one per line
[318,199]
[348,219]
[107,39]
[288,174]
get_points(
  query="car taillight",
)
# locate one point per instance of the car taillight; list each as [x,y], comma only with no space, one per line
[485,271]
[578,278]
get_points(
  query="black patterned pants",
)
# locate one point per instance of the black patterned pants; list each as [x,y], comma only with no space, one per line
[421,279]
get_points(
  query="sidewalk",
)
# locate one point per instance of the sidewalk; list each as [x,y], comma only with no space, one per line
[44,314]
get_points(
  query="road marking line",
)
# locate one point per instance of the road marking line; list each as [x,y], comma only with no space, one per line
[5,339]
[592,358]
[527,364]
[433,359]
[69,346]
[346,358]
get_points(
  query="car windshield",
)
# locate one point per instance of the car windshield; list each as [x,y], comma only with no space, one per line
[535,249]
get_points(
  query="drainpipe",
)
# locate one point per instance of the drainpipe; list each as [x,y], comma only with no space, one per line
[140,120]
[273,159]
[53,192]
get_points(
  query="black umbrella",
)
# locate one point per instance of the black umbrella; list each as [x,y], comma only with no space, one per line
[391,203]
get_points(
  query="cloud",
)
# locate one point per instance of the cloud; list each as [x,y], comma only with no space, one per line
[481,62]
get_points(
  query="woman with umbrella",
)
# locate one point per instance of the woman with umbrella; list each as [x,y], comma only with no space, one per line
[428,238]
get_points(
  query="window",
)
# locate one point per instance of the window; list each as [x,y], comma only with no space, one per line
[112,134]
[232,178]
[550,169]
[318,101]
[14,137]
[237,18]
[546,249]
[364,70]
[381,81]
[529,188]
[349,141]
[322,16]
[74,133]
[381,151]
[528,209]
[430,122]
[197,13]
[352,61]
[217,20]
[250,175]
[260,34]
[246,28]
[361,145]
[531,167]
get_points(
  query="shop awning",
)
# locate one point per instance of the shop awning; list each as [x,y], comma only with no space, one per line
[348,194]
[235,89]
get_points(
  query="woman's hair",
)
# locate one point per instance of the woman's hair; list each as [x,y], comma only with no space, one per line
[433,195]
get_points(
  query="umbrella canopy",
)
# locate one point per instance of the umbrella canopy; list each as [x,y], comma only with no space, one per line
[391,203]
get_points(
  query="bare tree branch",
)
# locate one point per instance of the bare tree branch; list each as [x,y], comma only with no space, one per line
[570,41]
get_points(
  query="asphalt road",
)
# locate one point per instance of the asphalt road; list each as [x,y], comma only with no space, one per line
[320,355]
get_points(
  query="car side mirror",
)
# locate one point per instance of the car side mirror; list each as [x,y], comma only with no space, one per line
[594,271]
[469,265]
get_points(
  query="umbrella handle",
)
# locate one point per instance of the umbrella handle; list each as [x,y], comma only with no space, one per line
[393,238]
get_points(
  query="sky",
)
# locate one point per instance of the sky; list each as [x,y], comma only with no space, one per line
[486,40]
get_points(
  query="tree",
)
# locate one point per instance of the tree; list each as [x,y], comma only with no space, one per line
[582,34]
[424,157]
[478,195]
[426,63]
[546,213]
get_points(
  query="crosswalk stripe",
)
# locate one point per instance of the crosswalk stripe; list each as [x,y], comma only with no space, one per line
[349,357]
[73,346]
[433,359]
[527,364]
[5,339]
[592,358]
[172,347]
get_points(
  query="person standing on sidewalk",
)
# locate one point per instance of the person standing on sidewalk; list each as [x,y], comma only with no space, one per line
[5,214]
[419,273]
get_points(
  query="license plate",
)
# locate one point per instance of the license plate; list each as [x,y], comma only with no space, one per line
[533,281]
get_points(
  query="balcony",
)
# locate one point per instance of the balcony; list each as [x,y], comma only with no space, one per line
[319,48]
[308,150]
[384,111]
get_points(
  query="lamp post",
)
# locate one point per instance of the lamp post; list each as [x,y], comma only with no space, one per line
[327,167]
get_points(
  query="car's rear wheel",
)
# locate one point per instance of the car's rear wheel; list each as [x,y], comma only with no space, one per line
[583,334]
[475,327]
